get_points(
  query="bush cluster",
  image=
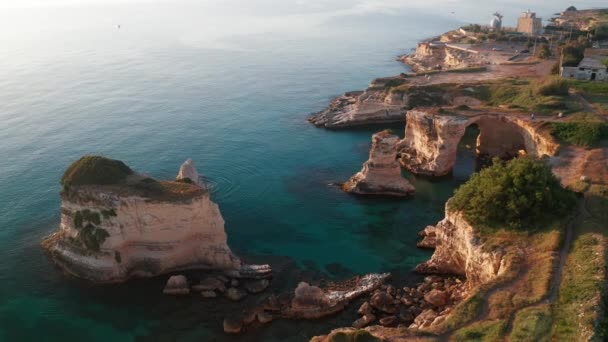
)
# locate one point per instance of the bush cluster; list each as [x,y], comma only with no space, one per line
[580,133]
[97,170]
[520,194]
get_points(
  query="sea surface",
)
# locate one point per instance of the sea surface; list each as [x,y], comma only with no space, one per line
[228,84]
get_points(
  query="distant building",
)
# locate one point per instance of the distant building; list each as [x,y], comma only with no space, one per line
[591,68]
[496,23]
[529,24]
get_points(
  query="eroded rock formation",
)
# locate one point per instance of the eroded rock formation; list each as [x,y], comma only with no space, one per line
[460,251]
[381,173]
[431,139]
[187,172]
[375,105]
[312,302]
[138,227]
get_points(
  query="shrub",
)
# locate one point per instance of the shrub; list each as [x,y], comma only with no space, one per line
[581,133]
[552,87]
[544,52]
[518,194]
[95,170]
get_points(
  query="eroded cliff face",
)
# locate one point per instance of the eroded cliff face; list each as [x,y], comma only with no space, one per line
[381,173]
[106,235]
[431,139]
[459,250]
[374,105]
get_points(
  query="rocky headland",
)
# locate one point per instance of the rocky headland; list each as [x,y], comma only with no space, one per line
[381,173]
[117,224]
[372,106]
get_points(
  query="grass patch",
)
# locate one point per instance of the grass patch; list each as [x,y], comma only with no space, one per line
[581,130]
[487,331]
[576,310]
[532,324]
[465,311]
[98,170]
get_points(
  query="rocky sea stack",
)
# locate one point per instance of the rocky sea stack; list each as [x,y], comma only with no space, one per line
[117,224]
[381,173]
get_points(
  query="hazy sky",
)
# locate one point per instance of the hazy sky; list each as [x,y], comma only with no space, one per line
[212,19]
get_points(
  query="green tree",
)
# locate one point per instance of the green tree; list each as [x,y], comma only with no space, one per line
[520,194]
[544,51]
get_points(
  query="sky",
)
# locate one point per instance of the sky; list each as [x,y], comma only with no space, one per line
[213,19]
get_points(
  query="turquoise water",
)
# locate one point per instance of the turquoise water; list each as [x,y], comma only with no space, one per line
[153,96]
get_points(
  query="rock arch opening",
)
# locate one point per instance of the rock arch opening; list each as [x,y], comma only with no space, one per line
[431,142]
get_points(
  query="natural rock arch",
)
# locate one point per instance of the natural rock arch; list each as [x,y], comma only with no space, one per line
[431,140]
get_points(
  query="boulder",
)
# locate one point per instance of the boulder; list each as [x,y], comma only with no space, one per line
[383,302]
[208,294]
[210,284]
[406,316]
[233,325]
[257,286]
[364,321]
[365,309]
[235,294]
[249,316]
[177,285]
[425,319]
[388,321]
[264,317]
[307,296]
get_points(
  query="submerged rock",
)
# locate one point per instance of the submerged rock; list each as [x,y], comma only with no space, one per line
[257,286]
[210,284]
[381,173]
[235,294]
[233,325]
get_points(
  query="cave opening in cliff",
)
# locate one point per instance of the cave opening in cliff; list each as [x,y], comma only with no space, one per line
[485,139]
[466,156]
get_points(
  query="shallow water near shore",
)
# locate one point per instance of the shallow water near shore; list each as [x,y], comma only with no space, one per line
[237,106]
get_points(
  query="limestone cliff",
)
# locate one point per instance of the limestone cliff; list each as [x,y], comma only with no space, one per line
[459,250]
[139,227]
[381,173]
[374,105]
[431,139]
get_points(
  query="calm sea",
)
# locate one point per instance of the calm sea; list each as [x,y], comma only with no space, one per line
[228,84]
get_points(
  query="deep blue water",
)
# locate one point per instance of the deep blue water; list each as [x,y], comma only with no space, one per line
[237,105]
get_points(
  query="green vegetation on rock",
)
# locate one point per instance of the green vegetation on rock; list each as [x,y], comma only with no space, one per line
[95,170]
[521,194]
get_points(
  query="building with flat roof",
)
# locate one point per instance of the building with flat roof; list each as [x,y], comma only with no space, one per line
[529,24]
[591,68]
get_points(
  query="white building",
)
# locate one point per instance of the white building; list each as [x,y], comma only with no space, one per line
[591,68]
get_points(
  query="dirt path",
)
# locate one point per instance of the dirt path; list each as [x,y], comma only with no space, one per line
[586,104]
[559,269]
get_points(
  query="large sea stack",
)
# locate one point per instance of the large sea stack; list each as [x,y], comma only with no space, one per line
[117,224]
